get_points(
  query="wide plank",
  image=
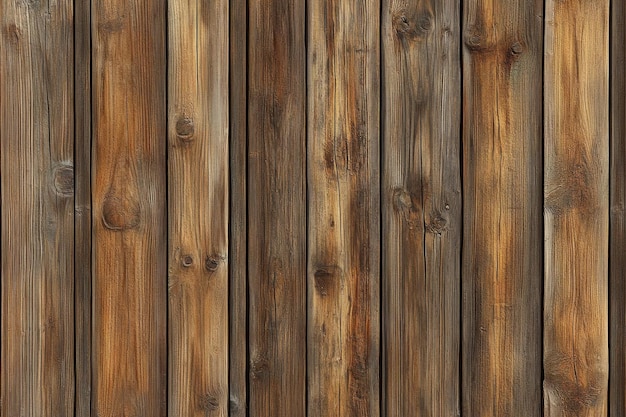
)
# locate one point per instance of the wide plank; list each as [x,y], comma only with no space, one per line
[576,126]
[343,138]
[129,218]
[421,200]
[502,201]
[277,202]
[37,200]
[198,208]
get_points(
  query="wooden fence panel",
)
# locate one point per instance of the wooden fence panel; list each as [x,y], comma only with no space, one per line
[502,203]
[576,208]
[343,196]
[421,192]
[129,216]
[37,195]
[277,202]
[198,208]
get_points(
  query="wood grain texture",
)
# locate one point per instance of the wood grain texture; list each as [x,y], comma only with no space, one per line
[617,228]
[37,197]
[277,222]
[82,204]
[502,200]
[421,207]
[238,274]
[129,217]
[198,208]
[576,208]
[343,205]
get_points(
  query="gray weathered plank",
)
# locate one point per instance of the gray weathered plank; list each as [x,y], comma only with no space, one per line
[344,215]
[37,199]
[421,207]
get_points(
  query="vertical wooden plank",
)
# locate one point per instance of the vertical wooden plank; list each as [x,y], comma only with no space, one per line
[129,219]
[37,195]
[576,208]
[502,195]
[238,237]
[617,228]
[421,207]
[82,222]
[198,207]
[277,215]
[343,195]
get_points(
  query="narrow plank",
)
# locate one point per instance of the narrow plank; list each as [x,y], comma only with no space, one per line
[421,207]
[82,220]
[344,208]
[238,276]
[198,208]
[617,227]
[277,218]
[502,200]
[37,197]
[129,219]
[576,208]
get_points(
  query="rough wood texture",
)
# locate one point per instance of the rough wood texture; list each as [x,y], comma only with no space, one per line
[238,276]
[37,196]
[502,200]
[82,204]
[277,225]
[198,208]
[344,215]
[421,207]
[576,208]
[617,242]
[129,218]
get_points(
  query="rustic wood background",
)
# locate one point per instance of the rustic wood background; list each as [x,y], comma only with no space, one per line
[323,208]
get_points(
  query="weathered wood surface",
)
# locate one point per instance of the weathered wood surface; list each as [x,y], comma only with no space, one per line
[129,217]
[576,208]
[421,194]
[617,242]
[343,140]
[237,259]
[198,208]
[502,203]
[277,201]
[37,196]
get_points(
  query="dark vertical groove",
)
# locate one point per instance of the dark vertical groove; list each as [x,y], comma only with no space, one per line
[382,352]
[462,223]
[543,208]
[167,210]
[245,164]
[306,204]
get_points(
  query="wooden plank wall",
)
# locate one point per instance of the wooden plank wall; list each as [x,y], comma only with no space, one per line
[262,208]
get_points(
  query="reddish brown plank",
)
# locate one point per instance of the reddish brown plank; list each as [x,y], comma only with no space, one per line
[129,217]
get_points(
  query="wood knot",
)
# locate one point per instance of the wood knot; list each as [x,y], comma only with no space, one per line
[259,368]
[403,205]
[437,225]
[476,39]
[64,180]
[187,261]
[326,279]
[208,402]
[404,29]
[120,213]
[185,129]
[12,33]
[212,262]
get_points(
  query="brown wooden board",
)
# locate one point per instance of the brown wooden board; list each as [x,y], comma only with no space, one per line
[277,208]
[576,122]
[129,216]
[502,203]
[343,205]
[37,197]
[421,191]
